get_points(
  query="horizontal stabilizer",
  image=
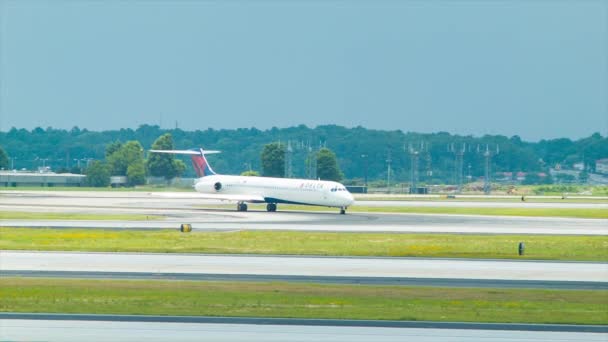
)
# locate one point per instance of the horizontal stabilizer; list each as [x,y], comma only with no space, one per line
[196,152]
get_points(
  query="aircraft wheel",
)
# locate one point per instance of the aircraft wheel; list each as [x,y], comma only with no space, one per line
[241,207]
[342,211]
[271,207]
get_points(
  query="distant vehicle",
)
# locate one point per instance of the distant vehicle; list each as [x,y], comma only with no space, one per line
[245,189]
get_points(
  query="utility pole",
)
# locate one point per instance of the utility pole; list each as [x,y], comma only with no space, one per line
[429,170]
[365,158]
[288,156]
[44,160]
[13,162]
[388,172]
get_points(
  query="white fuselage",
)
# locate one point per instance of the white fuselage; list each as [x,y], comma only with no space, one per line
[278,190]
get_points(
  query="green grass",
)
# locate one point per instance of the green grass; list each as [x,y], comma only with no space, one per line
[308,243]
[247,299]
[24,215]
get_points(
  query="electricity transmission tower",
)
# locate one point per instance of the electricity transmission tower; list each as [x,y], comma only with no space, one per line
[311,163]
[458,164]
[388,172]
[288,158]
[488,154]
[414,152]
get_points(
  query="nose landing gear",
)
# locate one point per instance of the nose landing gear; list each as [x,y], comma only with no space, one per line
[342,210]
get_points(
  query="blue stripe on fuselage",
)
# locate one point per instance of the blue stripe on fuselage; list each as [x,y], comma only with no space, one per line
[277,200]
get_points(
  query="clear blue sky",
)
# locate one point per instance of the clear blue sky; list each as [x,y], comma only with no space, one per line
[538,69]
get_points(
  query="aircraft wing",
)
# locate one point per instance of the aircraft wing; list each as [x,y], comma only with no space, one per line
[222,197]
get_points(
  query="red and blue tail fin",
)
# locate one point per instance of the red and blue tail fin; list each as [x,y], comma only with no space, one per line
[199,162]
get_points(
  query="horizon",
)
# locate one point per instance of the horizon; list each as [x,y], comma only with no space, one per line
[298,125]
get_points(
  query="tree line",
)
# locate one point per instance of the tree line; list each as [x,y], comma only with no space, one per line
[359,151]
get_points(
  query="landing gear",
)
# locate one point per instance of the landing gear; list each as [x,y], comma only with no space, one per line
[271,207]
[241,206]
[342,210]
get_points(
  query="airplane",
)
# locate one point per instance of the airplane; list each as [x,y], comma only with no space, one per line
[246,189]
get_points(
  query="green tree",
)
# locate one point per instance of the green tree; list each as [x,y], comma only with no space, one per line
[113,147]
[327,166]
[164,164]
[273,160]
[3,159]
[130,153]
[179,166]
[250,173]
[136,173]
[98,174]
[535,178]
[583,177]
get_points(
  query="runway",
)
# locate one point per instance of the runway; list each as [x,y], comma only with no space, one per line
[373,223]
[188,209]
[175,328]
[481,204]
[304,266]
[463,201]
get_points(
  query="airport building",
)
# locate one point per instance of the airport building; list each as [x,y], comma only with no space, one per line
[601,166]
[44,179]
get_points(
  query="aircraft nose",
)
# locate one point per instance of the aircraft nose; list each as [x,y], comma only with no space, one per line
[349,198]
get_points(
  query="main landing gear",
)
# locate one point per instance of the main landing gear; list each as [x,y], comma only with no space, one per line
[241,206]
[271,207]
[342,210]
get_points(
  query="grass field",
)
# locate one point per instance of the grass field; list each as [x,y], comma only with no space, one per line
[26,215]
[302,301]
[308,243]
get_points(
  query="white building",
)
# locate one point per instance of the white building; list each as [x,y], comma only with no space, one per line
[601,166]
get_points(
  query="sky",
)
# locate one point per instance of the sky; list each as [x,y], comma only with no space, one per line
[533,68]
